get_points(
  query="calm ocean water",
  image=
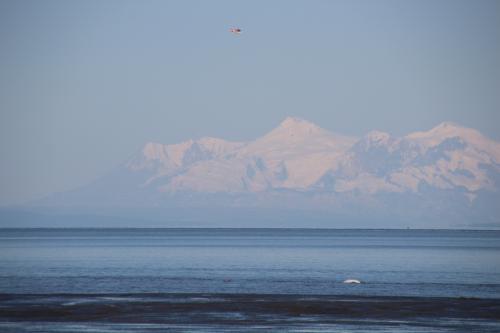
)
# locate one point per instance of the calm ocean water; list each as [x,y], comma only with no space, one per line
[141,262]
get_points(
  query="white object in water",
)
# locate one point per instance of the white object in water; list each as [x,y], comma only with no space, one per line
[352,281]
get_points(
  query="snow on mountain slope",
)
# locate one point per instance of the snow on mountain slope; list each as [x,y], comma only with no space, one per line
[296,153]
[449,130]
[162,160]
[451,156]
[299,155]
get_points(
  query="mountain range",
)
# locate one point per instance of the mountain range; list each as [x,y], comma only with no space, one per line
[300,174]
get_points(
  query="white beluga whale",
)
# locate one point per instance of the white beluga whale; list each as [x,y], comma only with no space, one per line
[352,281]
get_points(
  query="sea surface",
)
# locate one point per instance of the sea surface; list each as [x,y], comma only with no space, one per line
[280,280]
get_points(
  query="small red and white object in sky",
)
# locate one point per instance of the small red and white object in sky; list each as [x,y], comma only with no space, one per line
[236,31]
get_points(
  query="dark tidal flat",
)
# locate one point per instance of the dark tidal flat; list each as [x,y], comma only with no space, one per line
[121,312]
[230,280]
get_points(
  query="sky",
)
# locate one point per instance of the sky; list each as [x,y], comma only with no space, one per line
[85,84]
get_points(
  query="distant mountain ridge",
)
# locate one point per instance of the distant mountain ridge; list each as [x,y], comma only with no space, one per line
[299,155]
[449,174]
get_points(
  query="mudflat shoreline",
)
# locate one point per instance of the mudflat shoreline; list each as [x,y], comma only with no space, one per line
[236,308]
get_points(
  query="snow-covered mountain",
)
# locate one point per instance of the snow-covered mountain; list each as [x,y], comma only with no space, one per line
[449,174]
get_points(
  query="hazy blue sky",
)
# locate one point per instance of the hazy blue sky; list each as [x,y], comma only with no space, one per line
[84,84]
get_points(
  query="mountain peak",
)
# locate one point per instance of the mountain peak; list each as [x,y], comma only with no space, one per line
[294,127]
[378,136]
[445,130]
[448,126]
[296,123]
